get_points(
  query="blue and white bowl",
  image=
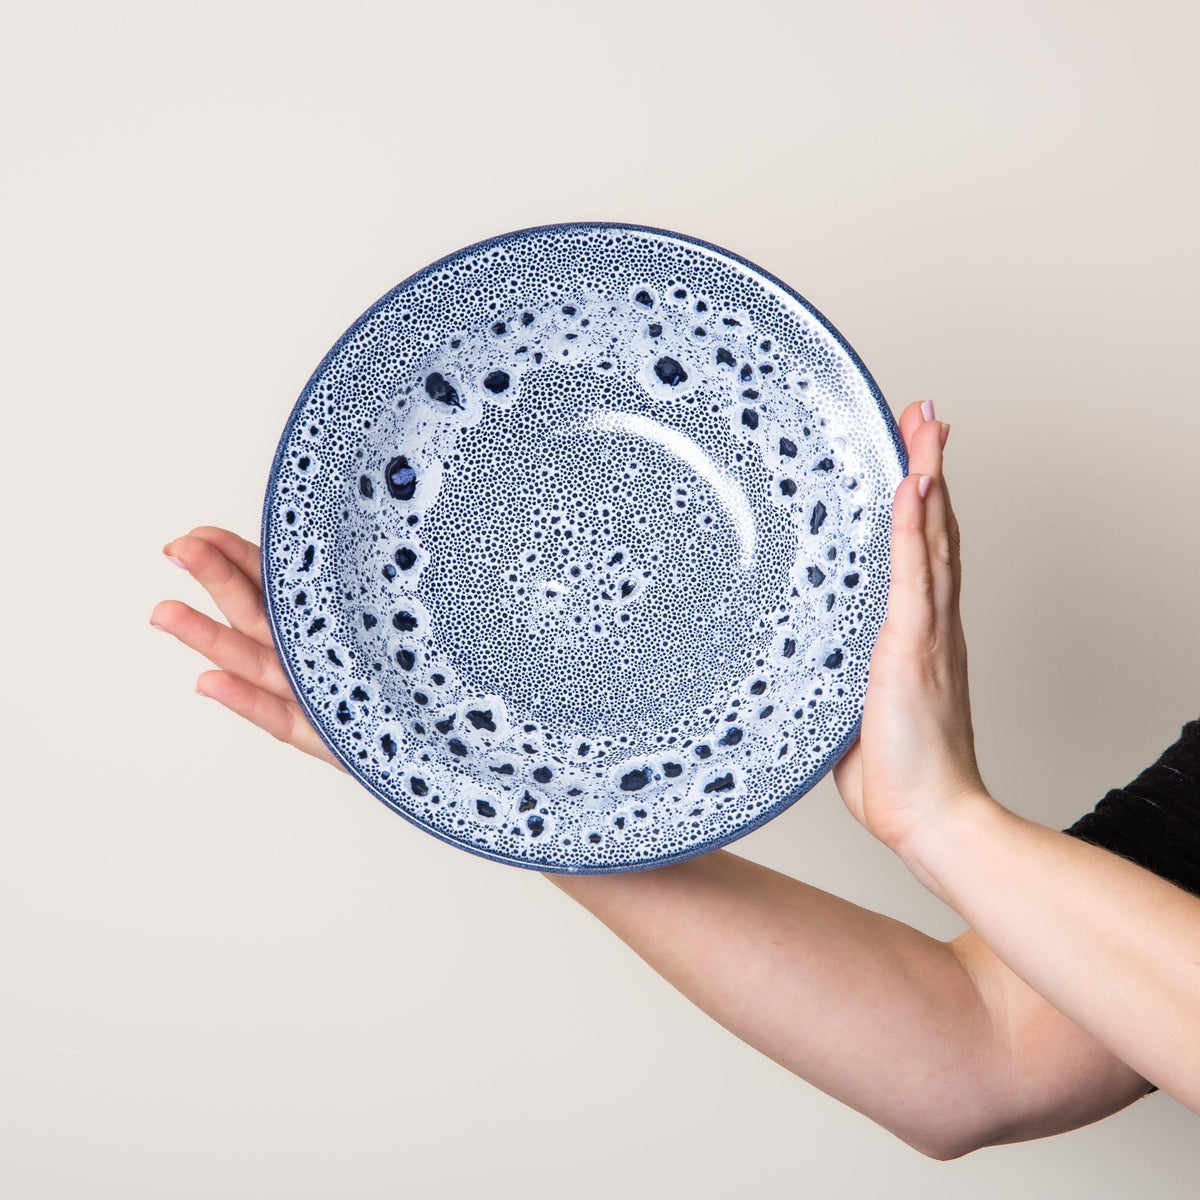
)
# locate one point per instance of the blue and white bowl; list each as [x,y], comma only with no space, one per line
[575,546]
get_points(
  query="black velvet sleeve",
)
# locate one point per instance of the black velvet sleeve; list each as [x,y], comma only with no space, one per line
[1155,820]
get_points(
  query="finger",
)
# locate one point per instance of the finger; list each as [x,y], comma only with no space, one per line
[941,531]
[282,719]
[937,538]
[925,448]
[910,611]
[927,459]
[927,445]
[224,647]
[243,554]
[912,418]
[234,594]
[955,544]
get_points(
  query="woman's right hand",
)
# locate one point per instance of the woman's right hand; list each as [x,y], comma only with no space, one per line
[915,756]
[249,679]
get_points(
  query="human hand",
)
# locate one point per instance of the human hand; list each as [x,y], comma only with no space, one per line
[250,679]
[915,754]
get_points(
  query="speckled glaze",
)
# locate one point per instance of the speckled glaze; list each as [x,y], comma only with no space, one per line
[575,547]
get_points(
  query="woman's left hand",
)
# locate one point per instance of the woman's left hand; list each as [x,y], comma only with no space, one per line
[250,679]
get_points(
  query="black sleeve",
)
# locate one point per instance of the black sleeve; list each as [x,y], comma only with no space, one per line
[1155,820]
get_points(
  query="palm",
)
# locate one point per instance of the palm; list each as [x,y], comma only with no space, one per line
[250,679]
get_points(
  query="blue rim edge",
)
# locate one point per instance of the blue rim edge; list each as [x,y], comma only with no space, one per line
[552,868]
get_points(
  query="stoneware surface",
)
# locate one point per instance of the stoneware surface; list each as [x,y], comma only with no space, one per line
[576,544]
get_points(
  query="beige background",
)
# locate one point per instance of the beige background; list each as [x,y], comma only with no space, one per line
[226,971]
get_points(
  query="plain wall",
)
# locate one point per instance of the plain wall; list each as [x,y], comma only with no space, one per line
[226,970]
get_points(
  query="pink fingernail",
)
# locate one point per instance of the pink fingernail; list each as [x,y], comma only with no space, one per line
[177,561]
[927,410]
[156,625]
[923,486]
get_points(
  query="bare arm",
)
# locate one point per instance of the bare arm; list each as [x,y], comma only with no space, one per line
[869,1010]
[866,1008]
[1109,944]
[939,1043]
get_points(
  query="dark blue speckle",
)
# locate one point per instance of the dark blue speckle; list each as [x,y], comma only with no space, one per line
[669,371]
[401,478]
[438,388]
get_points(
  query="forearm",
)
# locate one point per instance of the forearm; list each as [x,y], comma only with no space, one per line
[1109,944]
[876,1014]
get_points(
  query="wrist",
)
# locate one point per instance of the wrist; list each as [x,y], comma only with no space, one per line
[947,838]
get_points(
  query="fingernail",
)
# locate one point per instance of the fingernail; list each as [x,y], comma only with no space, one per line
[156,625]
[927,410]
[201,693]
[923,486]
[177,561]
[945,433]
